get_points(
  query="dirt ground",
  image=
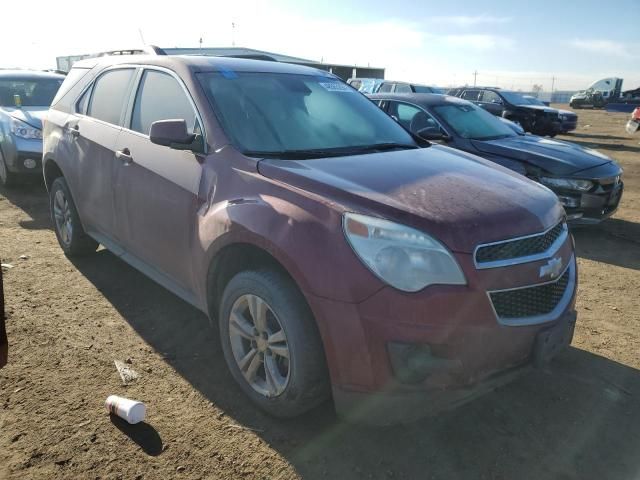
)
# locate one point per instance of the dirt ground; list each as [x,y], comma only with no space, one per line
[68,322]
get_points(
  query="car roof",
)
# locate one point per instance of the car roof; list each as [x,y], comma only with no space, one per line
[17,73]
[202,63]
[424,99]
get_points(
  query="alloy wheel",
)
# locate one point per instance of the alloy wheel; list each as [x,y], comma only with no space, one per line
[62,217]
[259,345]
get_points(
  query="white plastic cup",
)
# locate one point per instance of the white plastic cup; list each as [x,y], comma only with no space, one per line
[130,410]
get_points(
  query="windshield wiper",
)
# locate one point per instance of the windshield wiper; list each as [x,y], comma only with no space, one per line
[381,147]
[330,152]
[292,154]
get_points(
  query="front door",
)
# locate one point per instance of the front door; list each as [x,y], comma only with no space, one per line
[159,184]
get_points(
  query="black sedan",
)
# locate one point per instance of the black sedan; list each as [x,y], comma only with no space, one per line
[587,182]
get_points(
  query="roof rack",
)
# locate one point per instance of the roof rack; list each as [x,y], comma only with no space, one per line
[248,56]
[146,50]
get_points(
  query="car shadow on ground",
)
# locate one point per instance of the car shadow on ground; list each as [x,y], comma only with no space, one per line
[618,147]
[594,135]
[614,241]
[32,199]
[548,424]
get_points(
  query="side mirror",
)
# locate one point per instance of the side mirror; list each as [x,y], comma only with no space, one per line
[174,134]
[433,134]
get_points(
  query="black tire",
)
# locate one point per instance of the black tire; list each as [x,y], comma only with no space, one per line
[7,178]
[308,384]
[75,241]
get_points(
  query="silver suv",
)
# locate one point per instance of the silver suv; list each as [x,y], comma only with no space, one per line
[25,97]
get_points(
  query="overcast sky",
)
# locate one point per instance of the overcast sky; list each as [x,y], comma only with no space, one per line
[511,44]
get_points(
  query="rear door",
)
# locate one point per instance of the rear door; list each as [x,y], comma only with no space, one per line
[92,133]
[491,102]
[472,95]
[159,184]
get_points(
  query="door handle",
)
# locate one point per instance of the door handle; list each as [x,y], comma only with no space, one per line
[125,156]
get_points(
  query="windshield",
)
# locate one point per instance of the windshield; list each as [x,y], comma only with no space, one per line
[514,98]
[277,112]
[33,92]
[472,122]
[534,101]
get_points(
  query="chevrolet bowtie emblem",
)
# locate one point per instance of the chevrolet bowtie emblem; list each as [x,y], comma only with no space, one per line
[552,268]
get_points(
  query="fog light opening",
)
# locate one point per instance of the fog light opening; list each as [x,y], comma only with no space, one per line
[30,163]
[413,363]
[569,201]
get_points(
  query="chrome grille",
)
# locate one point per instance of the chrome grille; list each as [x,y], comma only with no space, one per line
[531,301]
[523,248]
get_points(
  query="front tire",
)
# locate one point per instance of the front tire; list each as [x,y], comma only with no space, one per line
[271,343]
[72,238]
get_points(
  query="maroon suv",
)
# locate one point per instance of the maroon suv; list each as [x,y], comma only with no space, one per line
[337,254]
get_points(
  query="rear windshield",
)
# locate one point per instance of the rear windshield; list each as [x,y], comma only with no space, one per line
[33,92]
[275,112]
[473,122]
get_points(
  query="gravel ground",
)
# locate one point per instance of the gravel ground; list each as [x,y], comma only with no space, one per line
[69,320]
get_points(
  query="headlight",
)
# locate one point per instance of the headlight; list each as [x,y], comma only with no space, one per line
[404,258]
[24,130]
[568,183]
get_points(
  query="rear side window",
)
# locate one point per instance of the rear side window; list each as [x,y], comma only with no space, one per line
[403,88]
[83,103]
[471,95]
[73,77]
[386,88]
[160,97]
[110,93]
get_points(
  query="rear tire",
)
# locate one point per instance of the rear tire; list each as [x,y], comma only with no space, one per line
[271,343]
[72,238]
[7,178]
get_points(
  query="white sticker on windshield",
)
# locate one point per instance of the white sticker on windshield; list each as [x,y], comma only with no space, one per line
[336,87]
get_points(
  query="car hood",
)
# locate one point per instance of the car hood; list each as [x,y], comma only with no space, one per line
[461,199]
[566,112]
[541,108]
[31,115]
[554,156]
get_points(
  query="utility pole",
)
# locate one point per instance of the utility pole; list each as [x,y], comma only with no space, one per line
[553,84]
[233,34]
[475,75]
[200,43]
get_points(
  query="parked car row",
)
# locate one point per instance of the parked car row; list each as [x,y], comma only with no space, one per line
[339,252]
[588,184]
[375,85]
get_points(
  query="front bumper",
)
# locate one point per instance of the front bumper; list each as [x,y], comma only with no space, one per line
[471,350]
[17,151]
[568,125]
[591,208]
[632,126]
[393,406]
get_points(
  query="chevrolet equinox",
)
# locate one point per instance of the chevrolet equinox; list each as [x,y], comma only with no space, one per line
[339,255]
